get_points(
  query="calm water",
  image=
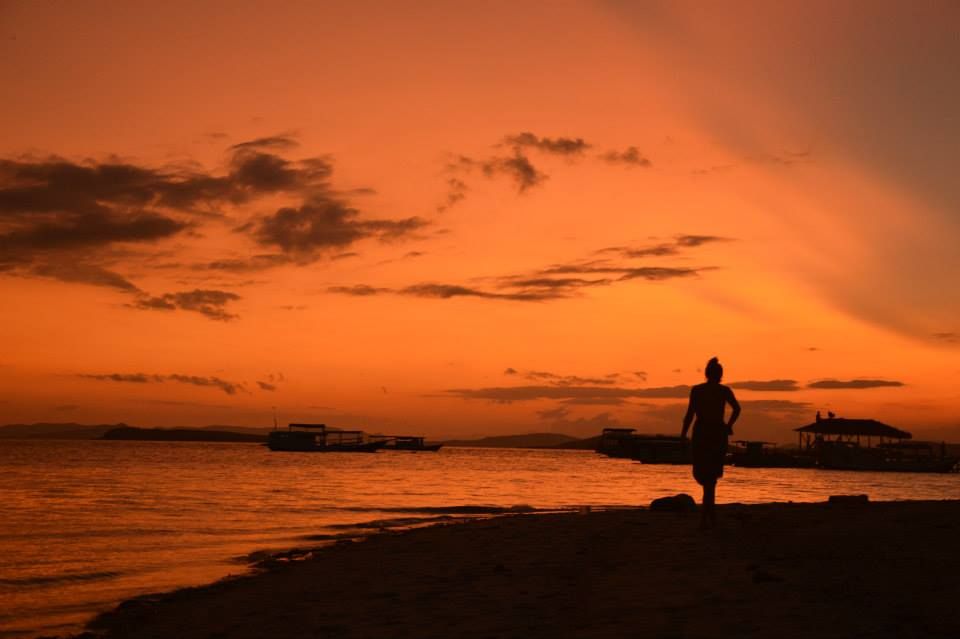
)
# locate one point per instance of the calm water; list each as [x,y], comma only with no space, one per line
[86,524]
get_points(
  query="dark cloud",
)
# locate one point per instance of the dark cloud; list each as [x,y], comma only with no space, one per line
[456,192]
[64,219]
[546,284]
[949,337]
[276,142]
[246,265]
[518,167]
[210,303]
[630,157]
[359,290]
[699,240]
[854,383]
[641,375]
[81,273]
[594,401]
[510,371]
[230,388]
[325,224]
[134,378]
[558,146]
[507,394]
[447,291]
[267,386]
[569,380]
[767,385]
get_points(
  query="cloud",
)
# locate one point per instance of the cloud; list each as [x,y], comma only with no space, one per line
[85,274]
[276,142]
[949,337]
[510,371]
[324,224]
[628,157]
[507,394]
[134,378]
[699,240]
[767,385]
[210,303]
[854,383]
[359,290]
[570,380]
[545,284]
[230,388]
[557,146]
[447,291]
[518,167]
[266,386]
[456,192]
[641,375]
[65,219]
[247,265]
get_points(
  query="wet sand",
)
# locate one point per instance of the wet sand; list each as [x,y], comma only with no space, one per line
[778,570]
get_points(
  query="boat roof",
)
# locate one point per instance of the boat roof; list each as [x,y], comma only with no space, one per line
[844,426]
[320,426]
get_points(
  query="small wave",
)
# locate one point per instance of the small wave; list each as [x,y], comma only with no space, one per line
[45,580]
[450,510]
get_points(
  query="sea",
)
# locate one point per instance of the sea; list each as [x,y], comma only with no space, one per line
[85,525]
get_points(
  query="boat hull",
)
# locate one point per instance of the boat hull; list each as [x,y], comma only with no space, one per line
[282,442]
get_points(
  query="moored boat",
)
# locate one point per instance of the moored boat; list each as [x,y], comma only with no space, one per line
[648,449]
[413,443]
[758,454]
[318,438]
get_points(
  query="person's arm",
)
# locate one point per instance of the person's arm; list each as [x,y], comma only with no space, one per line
[688,418]
[735,413]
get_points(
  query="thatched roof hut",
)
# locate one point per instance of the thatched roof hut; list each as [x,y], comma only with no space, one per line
[853,428]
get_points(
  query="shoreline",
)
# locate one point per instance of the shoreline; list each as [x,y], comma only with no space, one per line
[873,569]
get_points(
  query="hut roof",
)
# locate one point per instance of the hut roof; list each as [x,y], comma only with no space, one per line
[863,427]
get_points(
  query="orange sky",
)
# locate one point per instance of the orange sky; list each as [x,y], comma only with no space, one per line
[473,218]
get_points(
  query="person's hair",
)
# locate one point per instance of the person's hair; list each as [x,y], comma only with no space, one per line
[714,371]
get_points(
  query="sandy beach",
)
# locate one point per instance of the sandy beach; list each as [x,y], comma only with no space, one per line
[788,570]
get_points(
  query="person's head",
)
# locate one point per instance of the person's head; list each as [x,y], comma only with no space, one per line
[713,371]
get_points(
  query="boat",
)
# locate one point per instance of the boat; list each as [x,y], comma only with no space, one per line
[413,443]
[409,442]
[760,454]
[837,444]
[648,449]
[318,438]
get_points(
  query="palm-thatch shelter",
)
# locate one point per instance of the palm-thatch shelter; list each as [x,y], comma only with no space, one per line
[843,429]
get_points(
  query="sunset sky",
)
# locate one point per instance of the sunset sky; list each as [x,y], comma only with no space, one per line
[458,219]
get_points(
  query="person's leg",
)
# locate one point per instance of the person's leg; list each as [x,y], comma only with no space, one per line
[709,498]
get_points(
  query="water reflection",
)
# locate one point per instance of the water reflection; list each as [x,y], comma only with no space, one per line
[89,523]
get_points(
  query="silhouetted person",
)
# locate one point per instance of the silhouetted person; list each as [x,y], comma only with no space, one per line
[710,433]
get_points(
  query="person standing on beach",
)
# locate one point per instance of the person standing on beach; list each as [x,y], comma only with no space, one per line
[710,432]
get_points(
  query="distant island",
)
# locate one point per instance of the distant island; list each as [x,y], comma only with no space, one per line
[121,431]
[129,433]
[529,440]
[224,433]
